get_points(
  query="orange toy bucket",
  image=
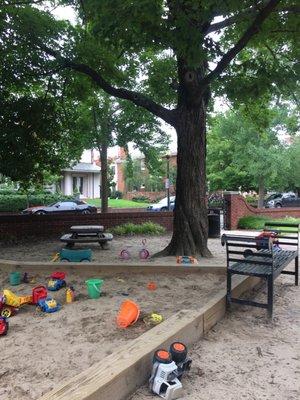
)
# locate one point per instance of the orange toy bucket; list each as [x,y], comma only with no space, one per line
[128,314]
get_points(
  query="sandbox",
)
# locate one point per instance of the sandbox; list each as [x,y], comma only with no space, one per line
[42,349]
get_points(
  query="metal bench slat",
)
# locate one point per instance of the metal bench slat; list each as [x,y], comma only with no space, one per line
[266,255]
[258,268]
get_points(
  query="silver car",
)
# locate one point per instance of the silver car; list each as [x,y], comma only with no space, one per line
[75,206]
[162,205]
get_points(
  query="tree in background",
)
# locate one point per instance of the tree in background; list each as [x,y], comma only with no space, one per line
[244,150]
[35,140]
[105,122]
[292,175]
[138,175]
[161,55]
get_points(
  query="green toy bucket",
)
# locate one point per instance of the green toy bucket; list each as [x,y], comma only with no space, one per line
[15,278]
[94,287]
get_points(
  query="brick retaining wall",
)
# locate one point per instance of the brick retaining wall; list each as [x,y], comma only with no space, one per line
[237,207]
[21,226]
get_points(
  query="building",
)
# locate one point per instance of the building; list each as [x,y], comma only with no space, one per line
[83,178]
[118,163]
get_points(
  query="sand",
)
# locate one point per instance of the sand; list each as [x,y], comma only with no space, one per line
[42,349]
[247,357]
[43,250]
[244,357]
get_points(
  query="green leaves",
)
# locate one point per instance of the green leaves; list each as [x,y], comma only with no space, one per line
[244,147]
[34,139]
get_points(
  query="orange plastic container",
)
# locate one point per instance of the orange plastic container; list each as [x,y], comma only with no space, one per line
[128,314]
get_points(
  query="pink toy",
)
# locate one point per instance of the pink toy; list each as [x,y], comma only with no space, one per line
[144,253]
[125,255]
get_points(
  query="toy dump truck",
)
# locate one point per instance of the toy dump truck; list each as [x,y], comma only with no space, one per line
[10,302]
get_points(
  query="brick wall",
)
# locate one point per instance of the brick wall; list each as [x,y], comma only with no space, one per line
[21,226]
[127,210]
[237,208]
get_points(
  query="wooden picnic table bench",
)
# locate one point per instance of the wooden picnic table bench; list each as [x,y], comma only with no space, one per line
[264,257]
[86,234]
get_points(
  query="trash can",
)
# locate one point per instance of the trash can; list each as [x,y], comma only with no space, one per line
[214,227]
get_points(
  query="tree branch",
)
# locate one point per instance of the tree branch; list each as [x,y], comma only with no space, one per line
[242,42]
[286,82]
[137,98]
[245,14]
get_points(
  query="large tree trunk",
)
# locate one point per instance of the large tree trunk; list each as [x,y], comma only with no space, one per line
[104,180]
[261,192]
[190,230]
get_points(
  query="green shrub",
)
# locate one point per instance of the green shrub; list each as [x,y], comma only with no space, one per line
[257,222]
[252,200]
[5,192]
[147,228]
[18,202]
[141,199]
[252,222]
[116,195]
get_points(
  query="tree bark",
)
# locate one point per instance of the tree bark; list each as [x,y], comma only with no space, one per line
[104,180]
[261,192]
[190,230]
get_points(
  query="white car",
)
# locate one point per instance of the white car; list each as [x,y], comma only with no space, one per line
[162,205]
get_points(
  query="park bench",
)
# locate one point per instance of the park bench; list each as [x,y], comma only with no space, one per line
[265,258]
[86,234]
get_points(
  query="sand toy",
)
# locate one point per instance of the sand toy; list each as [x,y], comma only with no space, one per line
[144,253]
[3,326]
[57,281]
[48,305]
[186,260]
[76,255]
[128,314]
[94,287]
[10,302]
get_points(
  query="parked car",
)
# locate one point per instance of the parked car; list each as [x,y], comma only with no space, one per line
[74,206]
[278,200]
[162,205]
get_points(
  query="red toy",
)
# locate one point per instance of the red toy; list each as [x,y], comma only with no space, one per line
[10,302]
[3,326]
[58,275]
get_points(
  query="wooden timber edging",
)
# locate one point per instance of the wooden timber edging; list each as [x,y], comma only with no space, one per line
[118,375]
[107,268]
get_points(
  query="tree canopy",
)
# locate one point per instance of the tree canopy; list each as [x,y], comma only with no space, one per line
[245,150]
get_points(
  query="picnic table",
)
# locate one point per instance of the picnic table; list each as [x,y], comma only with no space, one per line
[87,234]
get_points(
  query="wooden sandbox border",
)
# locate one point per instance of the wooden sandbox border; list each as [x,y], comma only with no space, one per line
[108,268]
[118,375]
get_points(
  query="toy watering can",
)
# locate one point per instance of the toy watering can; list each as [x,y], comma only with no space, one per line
[125,254]
[144,253]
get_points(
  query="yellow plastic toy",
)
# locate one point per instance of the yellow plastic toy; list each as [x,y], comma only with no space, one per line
[153,319]
[11,299]
[69,295]
[55,257]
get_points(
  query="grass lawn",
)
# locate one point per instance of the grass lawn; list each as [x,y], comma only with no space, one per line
[253,222]
[117,203]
